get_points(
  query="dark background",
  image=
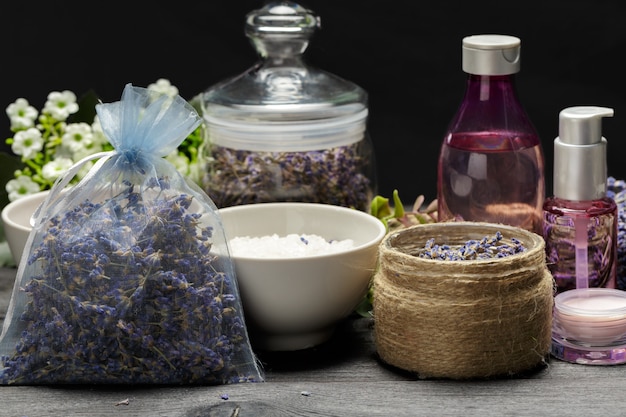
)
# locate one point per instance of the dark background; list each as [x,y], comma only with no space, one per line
[405,53]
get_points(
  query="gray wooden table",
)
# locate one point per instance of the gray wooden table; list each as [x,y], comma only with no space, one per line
[341,378]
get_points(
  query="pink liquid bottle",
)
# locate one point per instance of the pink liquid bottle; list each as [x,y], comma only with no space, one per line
[491,163]
[580,222]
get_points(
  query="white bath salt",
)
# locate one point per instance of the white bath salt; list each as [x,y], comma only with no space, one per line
[289,246]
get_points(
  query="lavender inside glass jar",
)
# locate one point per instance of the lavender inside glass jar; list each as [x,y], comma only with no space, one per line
[284,130]
[277,159]
[336,176]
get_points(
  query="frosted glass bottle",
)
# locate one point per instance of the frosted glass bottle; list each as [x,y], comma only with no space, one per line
[491,163]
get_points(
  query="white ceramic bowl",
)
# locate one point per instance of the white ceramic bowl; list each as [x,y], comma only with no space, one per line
[295,303]
[16,220]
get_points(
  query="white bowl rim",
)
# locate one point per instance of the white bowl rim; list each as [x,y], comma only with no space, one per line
[382,231]
[16,204]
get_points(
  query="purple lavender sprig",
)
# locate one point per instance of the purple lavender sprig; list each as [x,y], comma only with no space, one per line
[485,248]
[128,291]
[336,176]
[616,189]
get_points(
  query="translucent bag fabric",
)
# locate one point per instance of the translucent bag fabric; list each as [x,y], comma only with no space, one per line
[126,277]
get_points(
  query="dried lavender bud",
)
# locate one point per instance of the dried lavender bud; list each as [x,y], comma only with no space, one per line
[485,248]
[616,189]
[336,176]
[128,291]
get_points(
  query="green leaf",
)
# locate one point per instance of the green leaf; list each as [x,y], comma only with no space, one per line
[397,205]
[379,207]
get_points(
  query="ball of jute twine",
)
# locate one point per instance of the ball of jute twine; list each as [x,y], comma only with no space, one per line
[462,319]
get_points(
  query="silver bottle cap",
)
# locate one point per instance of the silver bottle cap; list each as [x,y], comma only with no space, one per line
[580,170]
[491,54]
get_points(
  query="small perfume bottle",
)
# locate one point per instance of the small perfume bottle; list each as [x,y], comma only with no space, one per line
[580,221]
[491,164]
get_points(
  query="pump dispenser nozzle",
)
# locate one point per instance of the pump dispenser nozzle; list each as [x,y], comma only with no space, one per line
[580,171]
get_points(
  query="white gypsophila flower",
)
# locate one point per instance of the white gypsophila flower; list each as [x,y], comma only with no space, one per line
[60,126]
[60,105]
[56,167]
[27,143]
[164,86]
[21,114]
[21,187]
[77,137]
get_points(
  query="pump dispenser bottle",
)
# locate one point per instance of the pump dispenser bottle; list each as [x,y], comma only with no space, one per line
[491,164]
[580,221]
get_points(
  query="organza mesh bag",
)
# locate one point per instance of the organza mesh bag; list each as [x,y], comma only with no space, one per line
[126,276]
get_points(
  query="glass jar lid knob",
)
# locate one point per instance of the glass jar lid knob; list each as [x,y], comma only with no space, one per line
[281,29]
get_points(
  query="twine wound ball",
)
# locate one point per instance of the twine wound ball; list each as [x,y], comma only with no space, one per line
[462,319]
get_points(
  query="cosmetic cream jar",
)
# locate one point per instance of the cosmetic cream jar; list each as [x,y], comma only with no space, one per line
[589,326]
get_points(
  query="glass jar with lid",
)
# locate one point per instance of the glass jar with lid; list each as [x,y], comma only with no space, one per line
[283,130]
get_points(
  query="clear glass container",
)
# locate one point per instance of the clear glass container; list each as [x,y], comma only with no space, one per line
[283,130]
[491,163]
[589,326]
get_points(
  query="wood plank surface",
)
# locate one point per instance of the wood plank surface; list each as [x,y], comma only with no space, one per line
[343,377]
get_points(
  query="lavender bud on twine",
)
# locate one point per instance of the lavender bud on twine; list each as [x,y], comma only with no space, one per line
[338,176]
[485,248]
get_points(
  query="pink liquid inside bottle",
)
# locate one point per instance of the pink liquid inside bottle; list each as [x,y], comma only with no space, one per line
[575,263]
[491,164]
